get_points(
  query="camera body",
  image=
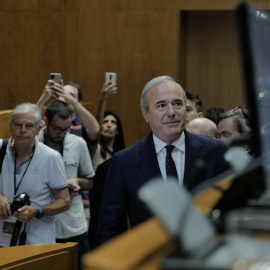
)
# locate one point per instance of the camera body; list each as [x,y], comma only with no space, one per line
[19,201]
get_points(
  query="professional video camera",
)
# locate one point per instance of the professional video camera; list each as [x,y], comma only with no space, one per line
[19,201]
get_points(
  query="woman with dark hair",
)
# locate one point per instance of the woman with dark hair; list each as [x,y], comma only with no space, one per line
[111,138]
[110,141]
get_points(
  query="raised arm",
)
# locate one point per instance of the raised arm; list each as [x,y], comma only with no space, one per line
[107,90]
[47,93]
[89,121]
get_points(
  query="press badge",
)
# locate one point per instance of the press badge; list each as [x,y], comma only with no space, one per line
[9,225]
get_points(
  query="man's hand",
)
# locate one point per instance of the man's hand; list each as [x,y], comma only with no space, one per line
[26,213]
[51,90]
[5,210]
[65,95]
[74,182]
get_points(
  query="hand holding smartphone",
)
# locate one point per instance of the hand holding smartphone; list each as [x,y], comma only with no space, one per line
[71,188]
[56,77]
[111,77]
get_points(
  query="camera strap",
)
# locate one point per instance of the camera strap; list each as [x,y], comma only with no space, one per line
[23,236]
[3,153]
[15,234]
[18,224]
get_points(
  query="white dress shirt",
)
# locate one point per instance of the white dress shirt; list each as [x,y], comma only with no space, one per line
[178,155]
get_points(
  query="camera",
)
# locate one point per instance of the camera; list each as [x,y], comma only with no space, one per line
[19,201]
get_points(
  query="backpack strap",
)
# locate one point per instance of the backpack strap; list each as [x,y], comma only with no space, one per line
[3,153]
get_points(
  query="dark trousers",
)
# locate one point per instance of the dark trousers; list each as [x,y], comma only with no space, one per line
[83,245]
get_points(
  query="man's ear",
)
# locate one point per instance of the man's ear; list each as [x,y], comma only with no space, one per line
[200,114]
[45,120]
[145,115]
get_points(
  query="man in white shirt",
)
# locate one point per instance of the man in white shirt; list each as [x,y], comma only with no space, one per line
[32,168]
[71,225]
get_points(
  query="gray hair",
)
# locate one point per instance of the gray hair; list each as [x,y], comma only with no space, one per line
[25,108]
[240,121]
[154,82]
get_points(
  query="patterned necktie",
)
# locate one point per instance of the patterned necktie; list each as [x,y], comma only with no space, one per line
[170,165]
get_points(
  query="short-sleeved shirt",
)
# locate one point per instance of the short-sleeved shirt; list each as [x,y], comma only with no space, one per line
[79,130]
[77,164]
[44,174]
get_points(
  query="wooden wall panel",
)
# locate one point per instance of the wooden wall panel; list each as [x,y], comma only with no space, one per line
[137,39]
[137,45]
[29,51]
[212,60]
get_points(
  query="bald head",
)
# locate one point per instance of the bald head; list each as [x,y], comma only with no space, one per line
[202,126]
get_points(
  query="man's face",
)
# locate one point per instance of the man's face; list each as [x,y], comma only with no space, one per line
[166,113]
[23,128]
[191,111]
[72,90]
[226,129]
[57,129]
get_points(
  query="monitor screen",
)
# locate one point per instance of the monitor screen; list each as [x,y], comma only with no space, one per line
[254,33]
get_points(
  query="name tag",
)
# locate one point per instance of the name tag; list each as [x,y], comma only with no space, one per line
[9,225]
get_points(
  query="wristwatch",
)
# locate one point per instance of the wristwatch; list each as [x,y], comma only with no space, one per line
[40,212]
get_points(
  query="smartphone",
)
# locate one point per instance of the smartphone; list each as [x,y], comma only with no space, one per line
[57,77]
[110,76]
[71,188]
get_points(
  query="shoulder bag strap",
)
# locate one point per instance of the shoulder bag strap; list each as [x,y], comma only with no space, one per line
[3,153]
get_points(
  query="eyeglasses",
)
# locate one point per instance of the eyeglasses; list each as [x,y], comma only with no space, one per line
[241,110]
[58,130]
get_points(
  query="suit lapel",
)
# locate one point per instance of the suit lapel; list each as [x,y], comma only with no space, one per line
[148,163]
[193,147]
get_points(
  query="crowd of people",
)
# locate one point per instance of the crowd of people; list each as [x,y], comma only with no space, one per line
[81,180]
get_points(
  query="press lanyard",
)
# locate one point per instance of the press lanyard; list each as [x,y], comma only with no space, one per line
[15,165]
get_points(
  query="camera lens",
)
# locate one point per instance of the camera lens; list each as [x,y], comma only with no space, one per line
[52,76]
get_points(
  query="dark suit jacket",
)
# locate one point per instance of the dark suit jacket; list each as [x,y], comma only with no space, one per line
[134,166]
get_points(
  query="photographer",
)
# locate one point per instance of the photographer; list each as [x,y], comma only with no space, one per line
[70,226]
[83,123]
[35,170]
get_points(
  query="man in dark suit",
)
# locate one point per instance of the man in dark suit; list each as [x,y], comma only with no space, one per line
[163,104]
